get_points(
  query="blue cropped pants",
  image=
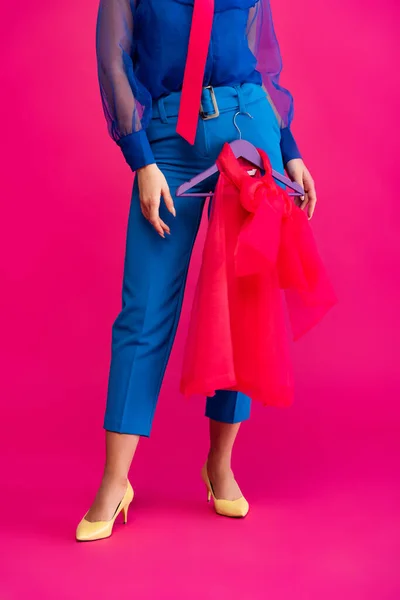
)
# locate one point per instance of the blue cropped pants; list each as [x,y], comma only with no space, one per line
[156,269]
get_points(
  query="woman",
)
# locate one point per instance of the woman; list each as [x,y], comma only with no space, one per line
[142,48]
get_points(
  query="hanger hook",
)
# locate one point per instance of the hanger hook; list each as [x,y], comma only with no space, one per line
[236,125]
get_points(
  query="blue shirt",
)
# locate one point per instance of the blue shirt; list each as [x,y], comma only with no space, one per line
[142,48]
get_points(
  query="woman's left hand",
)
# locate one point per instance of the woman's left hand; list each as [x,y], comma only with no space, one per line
[298,172]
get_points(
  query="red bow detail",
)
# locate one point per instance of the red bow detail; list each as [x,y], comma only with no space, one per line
[260,236]
[275,233]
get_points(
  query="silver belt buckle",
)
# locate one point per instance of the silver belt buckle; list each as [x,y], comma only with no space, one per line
[215,114]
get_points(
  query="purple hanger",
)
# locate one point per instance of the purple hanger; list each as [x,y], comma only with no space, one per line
[241,149]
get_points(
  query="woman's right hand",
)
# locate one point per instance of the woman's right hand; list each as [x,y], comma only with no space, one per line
[153,185]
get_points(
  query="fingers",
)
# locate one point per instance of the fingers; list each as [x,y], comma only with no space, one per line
[150,211]
[153,185]
[302,200]
[299,200]
[305,201]
[169,203]
[309,200]
[311,194]
[154,219]
[165,227]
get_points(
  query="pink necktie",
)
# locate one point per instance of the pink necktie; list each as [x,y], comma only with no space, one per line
[199,41]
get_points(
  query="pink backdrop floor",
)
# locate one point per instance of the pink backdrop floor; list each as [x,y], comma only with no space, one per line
[322,477]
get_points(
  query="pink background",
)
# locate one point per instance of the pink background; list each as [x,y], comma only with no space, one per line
[321,477]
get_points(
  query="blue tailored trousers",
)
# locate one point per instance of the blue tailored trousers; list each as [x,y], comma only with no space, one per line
[156,269]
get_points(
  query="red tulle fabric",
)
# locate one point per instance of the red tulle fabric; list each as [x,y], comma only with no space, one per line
[258,243]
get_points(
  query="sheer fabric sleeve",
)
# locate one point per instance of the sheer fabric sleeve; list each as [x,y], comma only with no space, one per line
[265,47]
[126,102]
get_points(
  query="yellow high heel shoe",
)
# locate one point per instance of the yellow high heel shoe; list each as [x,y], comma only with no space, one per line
[227,508]
[88,532]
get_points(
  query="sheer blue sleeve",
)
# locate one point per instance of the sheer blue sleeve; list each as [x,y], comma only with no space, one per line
[265,47]
[126,102]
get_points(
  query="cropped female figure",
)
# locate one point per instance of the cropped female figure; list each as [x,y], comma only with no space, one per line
[142,49]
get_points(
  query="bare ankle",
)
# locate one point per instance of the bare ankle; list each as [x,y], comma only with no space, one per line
[114,479]
[219,461]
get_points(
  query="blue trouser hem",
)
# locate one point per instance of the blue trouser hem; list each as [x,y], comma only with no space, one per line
[128,430]
[228,406]
[224,407]
[220,420]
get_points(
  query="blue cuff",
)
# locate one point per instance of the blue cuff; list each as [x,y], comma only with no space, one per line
[136,150]
[289,147]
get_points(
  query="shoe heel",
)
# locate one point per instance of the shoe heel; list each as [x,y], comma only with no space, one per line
[125,511]
[208,494]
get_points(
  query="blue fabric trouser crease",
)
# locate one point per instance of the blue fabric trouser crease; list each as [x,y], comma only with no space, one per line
[156,269]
